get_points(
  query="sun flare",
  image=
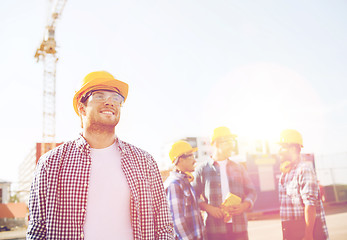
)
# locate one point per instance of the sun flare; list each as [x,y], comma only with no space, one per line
[258,101]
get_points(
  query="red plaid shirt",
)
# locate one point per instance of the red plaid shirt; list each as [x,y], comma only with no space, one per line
[207,184]
[58,197]
[298,188]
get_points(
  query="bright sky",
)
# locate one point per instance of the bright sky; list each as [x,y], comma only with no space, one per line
[255,66]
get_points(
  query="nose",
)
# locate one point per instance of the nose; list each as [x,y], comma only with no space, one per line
[109,101]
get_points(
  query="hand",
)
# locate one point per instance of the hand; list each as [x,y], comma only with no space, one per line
[239,209]
[215,212]
[226,211]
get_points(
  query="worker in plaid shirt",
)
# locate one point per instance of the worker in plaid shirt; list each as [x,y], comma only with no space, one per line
[181,196]
[301,208]
[97,186]
[214,180]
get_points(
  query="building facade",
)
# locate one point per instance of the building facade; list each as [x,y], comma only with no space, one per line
[5,191]
[26,173]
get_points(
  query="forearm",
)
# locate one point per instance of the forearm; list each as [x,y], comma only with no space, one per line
[310,218]
[204,206]
[215,212]
[246,205]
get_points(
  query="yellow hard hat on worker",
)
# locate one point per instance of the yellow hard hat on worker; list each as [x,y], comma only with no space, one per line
[291,136]
[222,132]
[99,80]
[180,148]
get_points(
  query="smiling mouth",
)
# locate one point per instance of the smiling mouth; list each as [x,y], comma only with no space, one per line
[107,112]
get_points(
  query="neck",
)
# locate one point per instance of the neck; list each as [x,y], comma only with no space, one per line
[178,169]
[99,139]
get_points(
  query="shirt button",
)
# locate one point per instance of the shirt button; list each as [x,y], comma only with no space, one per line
[86,185]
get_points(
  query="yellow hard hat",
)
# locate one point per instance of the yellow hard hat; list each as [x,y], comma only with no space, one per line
[221,132]
[179,148]
[291,136]
[99,80]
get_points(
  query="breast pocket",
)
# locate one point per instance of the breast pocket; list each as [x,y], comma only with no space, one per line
[293,193]
[236,177]
[188,200]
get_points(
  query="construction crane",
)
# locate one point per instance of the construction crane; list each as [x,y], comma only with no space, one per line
[48,55]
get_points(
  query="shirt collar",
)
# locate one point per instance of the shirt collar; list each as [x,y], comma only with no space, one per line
[214,163]
[121,144]
[84,146]
[179,175]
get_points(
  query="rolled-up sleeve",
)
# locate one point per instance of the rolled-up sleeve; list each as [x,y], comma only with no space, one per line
[308,186]
[249,188]
[199,185]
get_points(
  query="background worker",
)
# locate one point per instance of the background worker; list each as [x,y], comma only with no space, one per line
[181,197]
[215,179]
[97,186]
[301,208]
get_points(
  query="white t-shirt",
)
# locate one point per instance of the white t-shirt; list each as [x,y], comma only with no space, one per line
[108,206]
[224,180]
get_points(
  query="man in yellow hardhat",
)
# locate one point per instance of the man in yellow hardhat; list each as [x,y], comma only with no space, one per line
[181,197]
[221,177]
[301,208]
[98,186]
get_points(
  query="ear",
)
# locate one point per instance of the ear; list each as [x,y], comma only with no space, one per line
[81,109]
[215,144]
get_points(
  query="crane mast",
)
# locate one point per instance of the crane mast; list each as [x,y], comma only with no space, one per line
[48,55]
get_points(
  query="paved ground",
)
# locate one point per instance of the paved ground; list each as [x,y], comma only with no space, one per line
[18,234]
[268,227]
[262,227]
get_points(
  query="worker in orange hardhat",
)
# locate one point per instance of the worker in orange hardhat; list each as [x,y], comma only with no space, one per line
[223,135]
[88,173]
[218,177]
[301,208]
[181,197]
[100,80]
[98,86]
[291,144]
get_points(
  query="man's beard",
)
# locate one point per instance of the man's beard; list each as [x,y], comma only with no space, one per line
[100,127]
[286,162]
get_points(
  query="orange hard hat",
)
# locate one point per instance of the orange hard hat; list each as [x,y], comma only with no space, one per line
[222,132]
[179,148]
[99,80]
[291,136]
